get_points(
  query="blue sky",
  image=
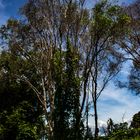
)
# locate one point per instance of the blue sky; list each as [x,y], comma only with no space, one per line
[10,8]
[114,102]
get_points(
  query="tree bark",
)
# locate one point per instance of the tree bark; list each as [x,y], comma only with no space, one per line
[96,120]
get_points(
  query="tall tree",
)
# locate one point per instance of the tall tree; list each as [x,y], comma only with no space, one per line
[103,59]
[45,32]
[130,43]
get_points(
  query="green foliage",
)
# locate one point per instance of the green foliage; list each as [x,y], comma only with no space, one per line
[121,131]
[19,115]
[20,123]
[108,19]
[136,121]
[67,92]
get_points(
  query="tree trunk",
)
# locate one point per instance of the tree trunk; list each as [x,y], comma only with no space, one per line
[96,120]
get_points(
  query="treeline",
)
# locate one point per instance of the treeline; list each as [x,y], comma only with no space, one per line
[56,61]
[123,130]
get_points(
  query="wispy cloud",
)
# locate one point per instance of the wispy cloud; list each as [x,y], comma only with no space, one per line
[2,4]
[118,104]
[114,103]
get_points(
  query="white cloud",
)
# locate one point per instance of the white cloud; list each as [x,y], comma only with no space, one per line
[114,103]
[101,123]
[126,68]
[118,104]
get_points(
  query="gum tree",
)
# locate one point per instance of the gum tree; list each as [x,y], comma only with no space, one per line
[102,56]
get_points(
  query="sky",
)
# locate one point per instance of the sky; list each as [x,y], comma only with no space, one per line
[9,8]
[114,102]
